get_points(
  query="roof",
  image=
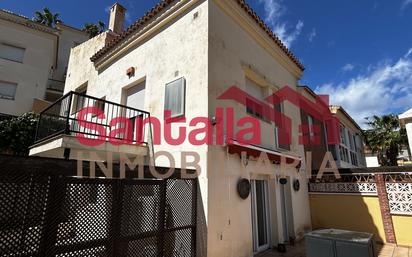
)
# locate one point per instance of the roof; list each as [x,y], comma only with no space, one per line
[164,4]
[80,31]
[308,89]
[340,108]
[25,21]
[406,115]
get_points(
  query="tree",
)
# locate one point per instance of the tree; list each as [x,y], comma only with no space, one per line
[94,29]
[385,137]
[17,134]
[46,17]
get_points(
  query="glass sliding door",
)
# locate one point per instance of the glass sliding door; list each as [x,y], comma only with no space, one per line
[260,215]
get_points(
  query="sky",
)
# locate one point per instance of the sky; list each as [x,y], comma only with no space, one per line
[358,52]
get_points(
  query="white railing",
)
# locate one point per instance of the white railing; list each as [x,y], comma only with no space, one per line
[400,197]
[398,188]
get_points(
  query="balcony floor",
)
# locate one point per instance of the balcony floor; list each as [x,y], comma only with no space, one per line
[55,146]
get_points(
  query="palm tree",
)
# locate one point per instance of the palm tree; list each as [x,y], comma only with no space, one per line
[94,29]
[46,17]
[385,137]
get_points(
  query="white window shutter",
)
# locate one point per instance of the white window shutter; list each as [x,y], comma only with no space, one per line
[175,97]
[7,90]
[11,53]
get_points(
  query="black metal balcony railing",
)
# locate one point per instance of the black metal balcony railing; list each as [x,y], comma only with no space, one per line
[69,116]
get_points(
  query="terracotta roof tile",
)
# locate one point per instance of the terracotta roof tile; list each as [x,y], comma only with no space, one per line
[162,5]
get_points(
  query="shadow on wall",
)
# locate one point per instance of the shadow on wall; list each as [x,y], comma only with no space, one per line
[348,212]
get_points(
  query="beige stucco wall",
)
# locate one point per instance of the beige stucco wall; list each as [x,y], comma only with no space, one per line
[177,50]
[180,48]
[31,75]
[231,48]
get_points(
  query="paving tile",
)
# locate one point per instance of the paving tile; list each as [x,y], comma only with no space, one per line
[387,250]
[401,252]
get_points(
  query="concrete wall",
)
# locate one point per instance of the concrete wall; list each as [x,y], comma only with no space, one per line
[31,75]
[234,53]
[68,38]
[350,212]
[46,57]
[402,225]
[357,213]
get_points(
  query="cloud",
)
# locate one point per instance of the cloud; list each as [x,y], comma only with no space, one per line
[384,88]
[312,35]
[274,10]
[348,67]
[405,4]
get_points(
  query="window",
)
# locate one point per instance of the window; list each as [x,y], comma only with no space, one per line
[280,108]
[11,53]
[276,137]
[175,97]
[311,129]
[7,90]
[100,103]
[342,135]
[253,107]
[80,99]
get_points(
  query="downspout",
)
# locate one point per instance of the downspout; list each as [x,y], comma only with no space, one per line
[56,54]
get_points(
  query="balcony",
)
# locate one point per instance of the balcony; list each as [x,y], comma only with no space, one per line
[81,124]
[55,85]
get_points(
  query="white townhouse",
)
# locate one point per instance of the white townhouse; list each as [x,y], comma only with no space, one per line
[181,56]
[33,62]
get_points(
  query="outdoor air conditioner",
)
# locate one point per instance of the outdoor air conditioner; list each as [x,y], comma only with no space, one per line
[339,243]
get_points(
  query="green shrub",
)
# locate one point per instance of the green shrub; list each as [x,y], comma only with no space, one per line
[17,134]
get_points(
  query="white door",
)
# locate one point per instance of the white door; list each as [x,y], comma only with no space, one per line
[135,96]
[260,216]
[287,211]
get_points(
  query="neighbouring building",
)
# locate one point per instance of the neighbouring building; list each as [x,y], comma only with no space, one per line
[406,122]
[182,56]
[33,62]
[348,152]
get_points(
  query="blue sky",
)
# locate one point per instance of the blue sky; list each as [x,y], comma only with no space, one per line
[359,52]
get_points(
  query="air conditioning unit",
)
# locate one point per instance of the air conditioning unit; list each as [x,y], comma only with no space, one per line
[339,243]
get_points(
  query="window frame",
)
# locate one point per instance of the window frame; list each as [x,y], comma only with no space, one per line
[17,47]
[182,112]
[3,97]
[81,91]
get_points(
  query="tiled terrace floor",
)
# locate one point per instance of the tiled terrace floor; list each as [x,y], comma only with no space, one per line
[382,251]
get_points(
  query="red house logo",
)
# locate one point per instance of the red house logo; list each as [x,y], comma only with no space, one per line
[319,110]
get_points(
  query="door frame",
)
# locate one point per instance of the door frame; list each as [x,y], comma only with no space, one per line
[255,232]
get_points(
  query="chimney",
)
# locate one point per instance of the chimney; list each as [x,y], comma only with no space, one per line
[117,16]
